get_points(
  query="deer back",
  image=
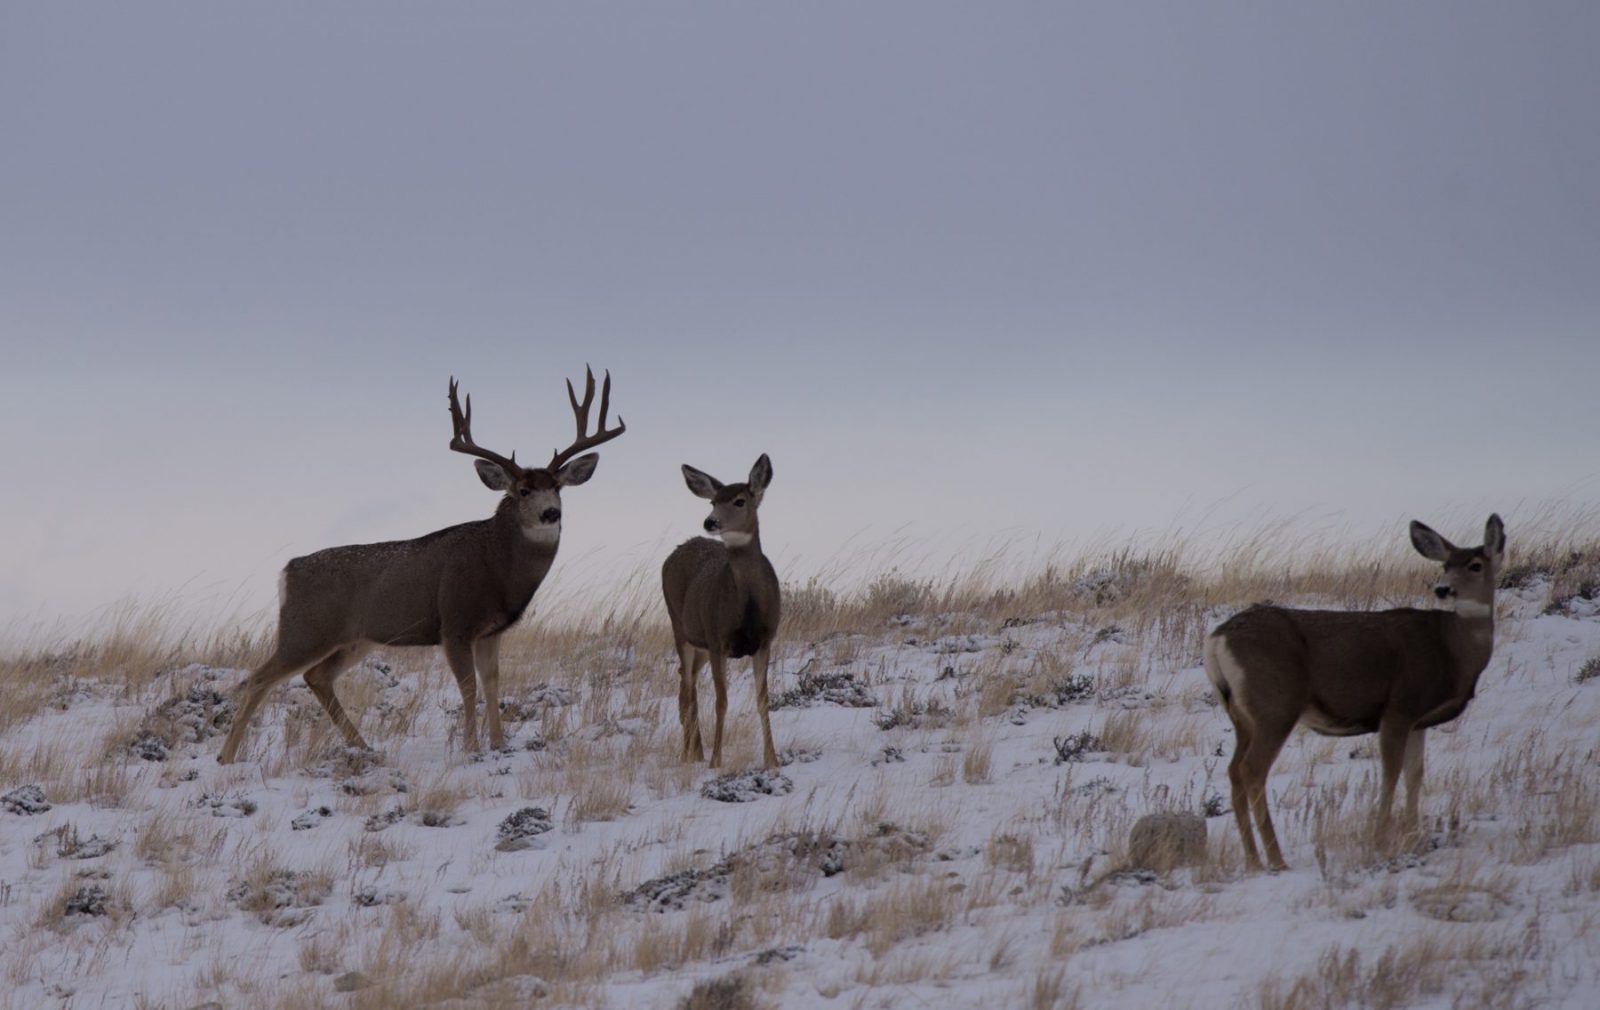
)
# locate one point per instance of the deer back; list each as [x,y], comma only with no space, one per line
[1342,670]
[467,580]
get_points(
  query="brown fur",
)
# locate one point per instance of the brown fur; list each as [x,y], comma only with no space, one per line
[1394,673]
[724,603]
[458,587]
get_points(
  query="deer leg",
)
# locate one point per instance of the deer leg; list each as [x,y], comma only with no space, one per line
[719,680]
[1239,793]
[458,653]
[1414,776]
[689,659]
[1392,735]
[1265,743]
[320,679]
[759,663]
[279,667]
[486,654]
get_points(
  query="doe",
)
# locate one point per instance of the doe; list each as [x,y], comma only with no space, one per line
[724,603]
[1390,672]
[459,587]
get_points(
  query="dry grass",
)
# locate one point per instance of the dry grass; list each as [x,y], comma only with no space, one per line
[976,763]
[1476,969]
[1050,991]
[1119,622]
[598,796]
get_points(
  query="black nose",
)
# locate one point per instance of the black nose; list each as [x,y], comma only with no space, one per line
[1442,592]
[711,525]
[550,515]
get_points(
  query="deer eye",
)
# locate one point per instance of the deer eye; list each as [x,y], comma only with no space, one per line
[524,492]
[1476,566]
[738,503]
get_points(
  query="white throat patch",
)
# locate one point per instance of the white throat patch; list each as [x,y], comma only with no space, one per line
[733,539]
[543,533]
[1472,608]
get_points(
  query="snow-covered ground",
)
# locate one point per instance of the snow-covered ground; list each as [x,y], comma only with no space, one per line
[949,830]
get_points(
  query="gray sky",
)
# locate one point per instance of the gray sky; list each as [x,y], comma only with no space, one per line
[965,270]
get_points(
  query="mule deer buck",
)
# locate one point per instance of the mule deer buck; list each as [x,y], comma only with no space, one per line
[458,587]
[724,602]
[1390,672]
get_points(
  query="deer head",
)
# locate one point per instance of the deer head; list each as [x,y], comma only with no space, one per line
[535,492]
[1470,573]
[733,506]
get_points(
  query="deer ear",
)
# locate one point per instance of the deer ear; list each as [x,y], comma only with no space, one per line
[761,474]
[1494,538]
[1428,543]
[702,484]
[578,471]
[493,475]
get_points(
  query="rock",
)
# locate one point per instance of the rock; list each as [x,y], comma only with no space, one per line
[25,800]
[518,830]
[195,716]
[371,897]
[778,955]
[351,981]
[839,687]
[746,786]
[1459,903]
[674,891]
[310,819]
[87,900]
[377,822]
[148,747]
[226,804]
[70,846]
[1163,841]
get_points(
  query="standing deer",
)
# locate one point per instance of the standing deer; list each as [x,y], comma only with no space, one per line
[1390,672]
[459,587]
[724,602]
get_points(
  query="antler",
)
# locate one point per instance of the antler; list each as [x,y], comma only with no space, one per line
[462,441]
[580,412]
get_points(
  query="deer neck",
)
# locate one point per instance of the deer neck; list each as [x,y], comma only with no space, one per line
[518,540]
[744,556]
[1469,635]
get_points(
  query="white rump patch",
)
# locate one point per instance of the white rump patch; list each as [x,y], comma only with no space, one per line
[1221,668]
[733,539]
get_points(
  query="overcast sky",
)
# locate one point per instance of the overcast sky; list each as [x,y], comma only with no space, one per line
[964,270]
